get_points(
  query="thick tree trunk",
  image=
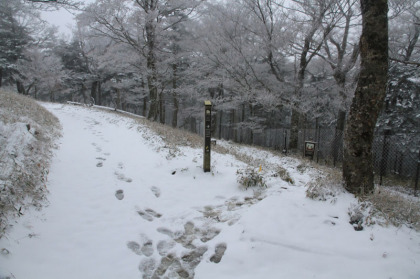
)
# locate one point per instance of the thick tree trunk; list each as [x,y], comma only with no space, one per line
[368,100]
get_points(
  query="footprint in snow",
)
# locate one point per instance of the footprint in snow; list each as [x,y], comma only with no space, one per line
[149,214]
[164,246]
[122,177]
[218,253]
[166,231]
[156,191]
[100,163]
[147,266]
[119,194]
[146,248]
[135,247]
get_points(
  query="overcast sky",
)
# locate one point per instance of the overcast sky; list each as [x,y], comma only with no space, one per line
[61,18]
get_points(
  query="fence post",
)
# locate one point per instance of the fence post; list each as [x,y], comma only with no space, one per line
[285,141]
[319,143]
[416,181]
[384,158]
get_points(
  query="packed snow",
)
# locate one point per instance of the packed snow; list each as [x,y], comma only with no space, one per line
[122,204]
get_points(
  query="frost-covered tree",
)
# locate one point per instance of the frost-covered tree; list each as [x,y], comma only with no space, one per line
[405,32]
[144,26]
[14,36]
[402,102]
[41,74]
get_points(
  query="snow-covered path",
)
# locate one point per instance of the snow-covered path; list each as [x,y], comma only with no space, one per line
[122,205]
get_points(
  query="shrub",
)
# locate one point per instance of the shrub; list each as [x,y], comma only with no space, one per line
[249,177]
[284,175]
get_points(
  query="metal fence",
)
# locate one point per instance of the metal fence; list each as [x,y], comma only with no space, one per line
[396,157]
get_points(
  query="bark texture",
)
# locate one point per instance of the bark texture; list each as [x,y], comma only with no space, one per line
[368,100]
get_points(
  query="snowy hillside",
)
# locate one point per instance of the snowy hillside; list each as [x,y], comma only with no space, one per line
[27,132]
[123,203]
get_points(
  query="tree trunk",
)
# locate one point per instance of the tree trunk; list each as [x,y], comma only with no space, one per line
[93,91]
[152,76]
[368,99]
[174,96]
[20,88]
[1,77]
[294,129]
[220,124]
[83,91]
[52,96]
[143,86]
[161,108]
[99,93]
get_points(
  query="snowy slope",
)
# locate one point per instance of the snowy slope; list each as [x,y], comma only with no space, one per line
[122,205]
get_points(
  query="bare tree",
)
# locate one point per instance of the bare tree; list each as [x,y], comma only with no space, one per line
[405,32]
[142,25]
[314,20]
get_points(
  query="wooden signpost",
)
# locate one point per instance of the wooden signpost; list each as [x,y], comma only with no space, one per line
[207,136]
[309,150]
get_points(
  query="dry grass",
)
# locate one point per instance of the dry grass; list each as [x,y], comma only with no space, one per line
[326,187]
[395,208]
[386,206]
[27,135]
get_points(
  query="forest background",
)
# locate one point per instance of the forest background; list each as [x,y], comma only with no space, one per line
[277,72]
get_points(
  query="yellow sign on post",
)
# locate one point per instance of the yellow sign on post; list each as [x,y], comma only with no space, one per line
[207,136]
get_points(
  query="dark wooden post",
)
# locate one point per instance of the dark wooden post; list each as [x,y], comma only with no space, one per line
[416,180]
[384,159]
[207,136]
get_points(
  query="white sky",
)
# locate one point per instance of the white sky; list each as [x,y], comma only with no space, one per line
[61,18]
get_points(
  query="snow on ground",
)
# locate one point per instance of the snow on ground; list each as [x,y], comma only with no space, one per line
[122,205]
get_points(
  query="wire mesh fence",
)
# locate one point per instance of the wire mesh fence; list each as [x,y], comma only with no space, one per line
[396,159]
[395,156]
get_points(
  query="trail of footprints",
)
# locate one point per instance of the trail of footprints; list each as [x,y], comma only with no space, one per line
[166,263]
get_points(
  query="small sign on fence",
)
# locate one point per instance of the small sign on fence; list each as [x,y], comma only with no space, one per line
[309,149]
